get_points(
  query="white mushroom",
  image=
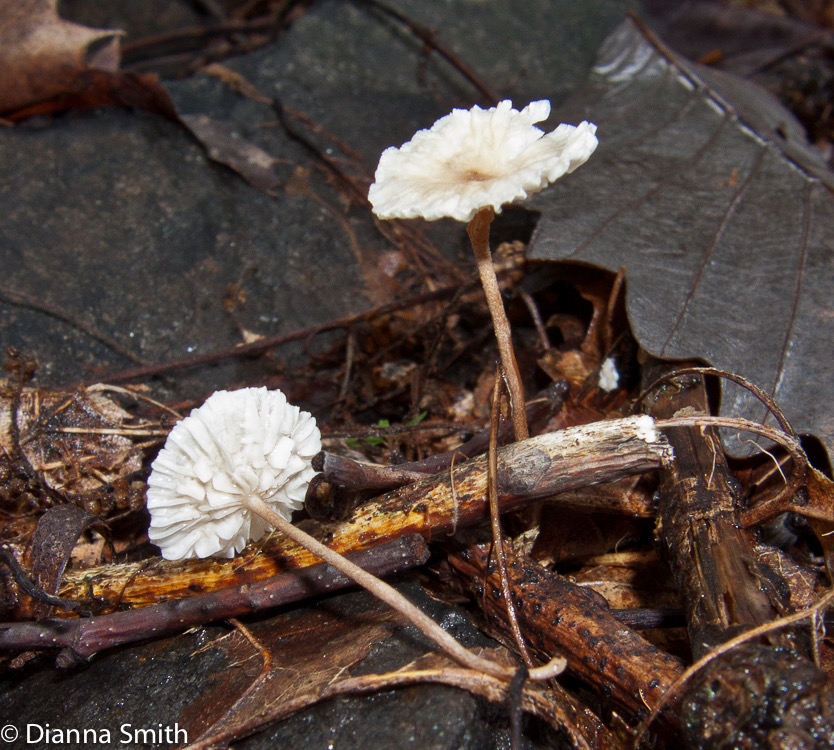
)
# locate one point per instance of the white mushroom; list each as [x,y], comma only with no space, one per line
[240,464]
[474,159]
[467,166]
[237,446]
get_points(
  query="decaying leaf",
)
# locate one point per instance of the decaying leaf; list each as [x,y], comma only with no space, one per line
[78,442]
[705,191]
[252,163]
[52,544]
[317,656]
[246,698]
[43,56]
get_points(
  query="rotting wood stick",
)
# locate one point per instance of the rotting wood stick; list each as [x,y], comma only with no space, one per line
[349,474]
[529,470]
[81,638]
[560,617]
[726,591]
[698,527]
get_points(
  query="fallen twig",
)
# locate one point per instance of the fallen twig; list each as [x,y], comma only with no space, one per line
[561,617]
[81,638]
[529,470]
[269,342]
[497,546]
[698,526]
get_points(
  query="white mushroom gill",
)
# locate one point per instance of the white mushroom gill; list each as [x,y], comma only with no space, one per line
[237,445]
[477,158]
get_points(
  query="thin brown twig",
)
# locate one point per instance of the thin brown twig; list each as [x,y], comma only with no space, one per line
[350,356]
[533,309]
[270,342]
[495,520]
[22,299]
[399,233]
[146,47]
[773,505]
[105,387]
[428,37]
[771,405]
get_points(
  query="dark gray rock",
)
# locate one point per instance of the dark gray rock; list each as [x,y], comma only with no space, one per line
[151,687]
[118,221]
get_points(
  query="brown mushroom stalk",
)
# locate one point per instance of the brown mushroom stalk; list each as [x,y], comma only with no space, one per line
[395,599]
[478,231]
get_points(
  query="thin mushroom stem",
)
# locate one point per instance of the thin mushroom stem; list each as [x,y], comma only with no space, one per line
[478,231]
[396,600]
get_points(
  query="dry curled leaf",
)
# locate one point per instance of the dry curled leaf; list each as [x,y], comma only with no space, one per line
[55,537]
[43,56]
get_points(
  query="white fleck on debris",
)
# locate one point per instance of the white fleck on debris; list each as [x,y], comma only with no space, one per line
[645,428]
[609,378]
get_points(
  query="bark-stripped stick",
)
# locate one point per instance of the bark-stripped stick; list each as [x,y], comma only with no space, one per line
[529,470]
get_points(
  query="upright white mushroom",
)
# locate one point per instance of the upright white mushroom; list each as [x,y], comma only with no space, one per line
[467,166]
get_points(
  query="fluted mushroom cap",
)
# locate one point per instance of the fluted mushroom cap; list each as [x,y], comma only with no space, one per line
[237,444]
[471,159]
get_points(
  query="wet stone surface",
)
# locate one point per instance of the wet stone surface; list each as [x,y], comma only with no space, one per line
[117,221]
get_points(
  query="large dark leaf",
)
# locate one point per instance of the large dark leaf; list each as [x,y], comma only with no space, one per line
[705,191]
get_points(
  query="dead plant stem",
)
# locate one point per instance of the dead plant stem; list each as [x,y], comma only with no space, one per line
[495,519]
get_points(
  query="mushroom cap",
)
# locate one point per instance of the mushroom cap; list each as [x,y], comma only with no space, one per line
[471,159]
[237,444]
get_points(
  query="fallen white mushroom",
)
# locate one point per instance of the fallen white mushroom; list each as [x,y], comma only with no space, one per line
[467,166]
[237,446]
[240,464]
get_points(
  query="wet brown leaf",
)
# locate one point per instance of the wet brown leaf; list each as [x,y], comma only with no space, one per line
[43,56]
[52,544]
[245,698]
